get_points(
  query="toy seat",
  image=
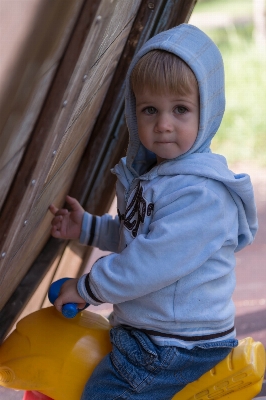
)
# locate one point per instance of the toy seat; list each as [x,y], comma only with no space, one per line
[52,355]
[238,377]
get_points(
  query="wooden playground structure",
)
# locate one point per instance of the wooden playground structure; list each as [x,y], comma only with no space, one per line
[61,130]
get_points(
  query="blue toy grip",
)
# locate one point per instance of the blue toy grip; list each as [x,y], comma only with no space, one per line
[69,310]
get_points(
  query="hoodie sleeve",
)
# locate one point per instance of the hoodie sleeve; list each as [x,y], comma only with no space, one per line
[101,232]
[187,229]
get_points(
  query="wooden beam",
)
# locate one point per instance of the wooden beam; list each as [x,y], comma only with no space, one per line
[29,82]
[60,136]
[43,142]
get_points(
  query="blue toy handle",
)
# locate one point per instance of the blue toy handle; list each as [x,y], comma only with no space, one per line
[69,310]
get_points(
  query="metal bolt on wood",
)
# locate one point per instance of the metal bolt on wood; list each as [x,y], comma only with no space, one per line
[65,103]
[3,255]
[25,222]
[151,6]
[33,182]
[54,153]
[98,19]
[85,77]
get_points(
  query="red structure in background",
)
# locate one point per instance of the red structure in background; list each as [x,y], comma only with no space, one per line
[33,395]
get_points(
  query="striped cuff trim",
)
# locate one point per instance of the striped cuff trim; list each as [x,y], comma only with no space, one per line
[92,232]
[90,293]
[84,294]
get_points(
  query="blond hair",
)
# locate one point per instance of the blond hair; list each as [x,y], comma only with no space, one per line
[161,72]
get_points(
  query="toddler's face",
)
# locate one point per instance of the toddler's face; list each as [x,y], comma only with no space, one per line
[167,123]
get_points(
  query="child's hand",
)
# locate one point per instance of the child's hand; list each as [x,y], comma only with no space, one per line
[69,294]
[67,224]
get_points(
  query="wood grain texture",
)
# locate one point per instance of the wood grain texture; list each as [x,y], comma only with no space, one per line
[29,81]
[53,155]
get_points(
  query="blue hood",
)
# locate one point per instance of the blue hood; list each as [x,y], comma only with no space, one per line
[204,58]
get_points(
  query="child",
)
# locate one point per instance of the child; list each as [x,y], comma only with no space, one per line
[182,214]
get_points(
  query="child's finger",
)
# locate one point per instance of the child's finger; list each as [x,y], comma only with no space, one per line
[74,204]
[56,211]
[57,220]
[81,305]
[53,209]
[61,213]
[56,233]
[58,304]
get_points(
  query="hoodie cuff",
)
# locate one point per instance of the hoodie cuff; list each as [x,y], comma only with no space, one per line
[85,228]
[85,291]
[88,229]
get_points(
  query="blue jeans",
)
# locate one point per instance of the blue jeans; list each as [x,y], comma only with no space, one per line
[139,369]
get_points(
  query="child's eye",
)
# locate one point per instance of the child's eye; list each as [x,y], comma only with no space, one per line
[150,110]
[180,110]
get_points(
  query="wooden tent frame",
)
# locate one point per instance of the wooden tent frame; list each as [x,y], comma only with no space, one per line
[45,110]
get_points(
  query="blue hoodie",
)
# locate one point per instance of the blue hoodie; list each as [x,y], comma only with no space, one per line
[179,223]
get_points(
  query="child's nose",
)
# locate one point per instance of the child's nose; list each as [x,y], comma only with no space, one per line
[163,124]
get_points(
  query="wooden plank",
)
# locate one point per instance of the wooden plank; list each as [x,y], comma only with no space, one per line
[175,14]
[16,19]
[48,119]
[18,137]
[23,292]
[26,234]
[6,174]
[30,79]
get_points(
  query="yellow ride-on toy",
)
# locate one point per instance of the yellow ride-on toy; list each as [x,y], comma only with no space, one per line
[51,356]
